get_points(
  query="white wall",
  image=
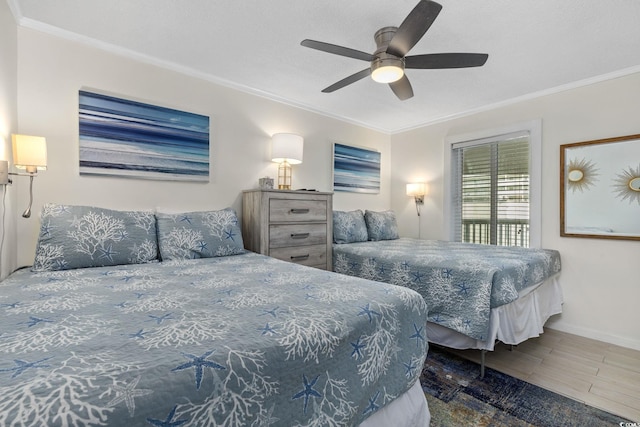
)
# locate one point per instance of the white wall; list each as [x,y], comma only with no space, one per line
[51,71]
[8,125]
[600,278]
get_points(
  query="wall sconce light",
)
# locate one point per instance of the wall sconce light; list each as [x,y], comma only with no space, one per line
[286,149]
[29,154]
[417,191]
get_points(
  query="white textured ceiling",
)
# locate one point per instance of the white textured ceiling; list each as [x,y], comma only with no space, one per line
[534,47]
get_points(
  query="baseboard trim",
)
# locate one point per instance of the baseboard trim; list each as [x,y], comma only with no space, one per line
[594,335]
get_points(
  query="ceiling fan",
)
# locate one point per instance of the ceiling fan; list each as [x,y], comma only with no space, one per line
[389,60]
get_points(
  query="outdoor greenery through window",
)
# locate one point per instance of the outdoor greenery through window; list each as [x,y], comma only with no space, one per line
[491,190]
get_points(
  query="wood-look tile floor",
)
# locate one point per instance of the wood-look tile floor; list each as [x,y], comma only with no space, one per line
[599,374]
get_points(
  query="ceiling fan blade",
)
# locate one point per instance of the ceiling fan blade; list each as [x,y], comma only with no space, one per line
[413,27]
[445,60]
[402,88]
[348,80]
[337,50]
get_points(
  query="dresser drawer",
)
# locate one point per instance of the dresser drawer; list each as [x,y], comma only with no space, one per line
[283,235]
[283,210]
[306,255]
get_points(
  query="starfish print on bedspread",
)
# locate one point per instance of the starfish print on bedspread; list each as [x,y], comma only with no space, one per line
[271,312]
[11,305]
[356,354]
[167,422]
[267,330]
[373,406]
[23,365]
[127,394]
[138,335]
[159,319]
[417,276]
[307,391]
[368,312]
[199,363]
[410,368]
[417,335]
[33,321]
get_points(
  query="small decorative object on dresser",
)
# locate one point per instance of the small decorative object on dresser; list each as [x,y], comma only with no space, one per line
[295,226]
[265,183]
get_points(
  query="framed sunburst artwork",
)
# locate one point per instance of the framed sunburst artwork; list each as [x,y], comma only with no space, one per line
[600,188]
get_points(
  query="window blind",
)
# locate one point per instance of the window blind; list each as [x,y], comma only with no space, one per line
[491,190]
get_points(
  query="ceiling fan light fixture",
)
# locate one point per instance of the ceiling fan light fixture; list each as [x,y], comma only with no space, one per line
[387,68]
[387,74]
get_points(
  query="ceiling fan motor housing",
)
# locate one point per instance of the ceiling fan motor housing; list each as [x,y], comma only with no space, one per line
[386,68]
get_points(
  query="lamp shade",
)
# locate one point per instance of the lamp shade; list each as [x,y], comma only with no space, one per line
[286,147]
[29,152]
[416,189]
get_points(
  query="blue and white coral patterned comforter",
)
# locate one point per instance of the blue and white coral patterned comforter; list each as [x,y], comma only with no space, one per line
[460,282]
[241,340]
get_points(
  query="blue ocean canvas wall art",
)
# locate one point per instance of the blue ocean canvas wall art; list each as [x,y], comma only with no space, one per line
[355,169]
[120,137]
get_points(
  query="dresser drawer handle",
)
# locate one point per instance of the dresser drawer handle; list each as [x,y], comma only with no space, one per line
[299,257]
[299,235]
[299,211]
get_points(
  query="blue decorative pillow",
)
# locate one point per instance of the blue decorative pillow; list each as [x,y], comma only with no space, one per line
[381,225]
[349,227]
[199,234]
[85,236]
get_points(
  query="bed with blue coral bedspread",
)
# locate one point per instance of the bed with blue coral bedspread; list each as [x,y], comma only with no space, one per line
[228,341]
[461,282]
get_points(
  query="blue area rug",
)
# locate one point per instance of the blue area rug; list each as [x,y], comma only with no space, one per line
[458,397]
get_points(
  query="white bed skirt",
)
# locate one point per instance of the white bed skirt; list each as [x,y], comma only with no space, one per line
[408,410]
[511,323]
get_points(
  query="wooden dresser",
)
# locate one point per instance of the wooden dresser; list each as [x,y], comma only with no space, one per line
[295,226]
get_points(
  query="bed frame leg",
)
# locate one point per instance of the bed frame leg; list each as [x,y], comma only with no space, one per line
[482,358]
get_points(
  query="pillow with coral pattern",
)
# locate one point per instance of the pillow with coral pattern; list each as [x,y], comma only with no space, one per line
[85,236]
[381,225]
[206,234]
[349,227]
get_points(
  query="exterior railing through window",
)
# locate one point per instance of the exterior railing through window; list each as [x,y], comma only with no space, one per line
[510,232]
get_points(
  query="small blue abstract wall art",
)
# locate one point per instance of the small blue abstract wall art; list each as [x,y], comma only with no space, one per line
[355,169]
[120,137]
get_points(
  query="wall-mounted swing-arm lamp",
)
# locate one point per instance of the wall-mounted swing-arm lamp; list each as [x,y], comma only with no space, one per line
[417,191]
[30,154]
